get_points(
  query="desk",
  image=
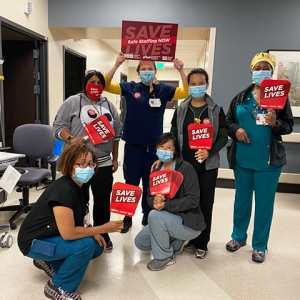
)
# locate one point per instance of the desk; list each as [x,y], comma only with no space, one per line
[7,158]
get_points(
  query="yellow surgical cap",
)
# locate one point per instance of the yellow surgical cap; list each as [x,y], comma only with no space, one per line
[263,56]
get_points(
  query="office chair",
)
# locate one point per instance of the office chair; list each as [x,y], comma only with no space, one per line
[35,141]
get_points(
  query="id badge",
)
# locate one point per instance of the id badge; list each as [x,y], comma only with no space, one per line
[154,102]
[260,119]
[86,220]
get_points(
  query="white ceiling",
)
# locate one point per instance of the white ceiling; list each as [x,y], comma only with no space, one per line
[191,42]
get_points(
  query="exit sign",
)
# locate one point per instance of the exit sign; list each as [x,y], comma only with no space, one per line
[160,65]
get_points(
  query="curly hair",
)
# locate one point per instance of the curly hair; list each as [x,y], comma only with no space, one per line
[71,154]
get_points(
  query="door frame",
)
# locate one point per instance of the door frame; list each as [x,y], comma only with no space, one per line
[42,42]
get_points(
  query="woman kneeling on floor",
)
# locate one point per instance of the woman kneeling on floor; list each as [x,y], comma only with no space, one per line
[57,233]
[172,222]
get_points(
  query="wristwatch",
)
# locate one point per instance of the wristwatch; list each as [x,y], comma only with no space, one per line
[69,138]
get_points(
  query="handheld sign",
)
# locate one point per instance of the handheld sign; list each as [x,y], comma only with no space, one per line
[273,93]
[125,198]
[99,130]
[165,182]
[200,136]
[149,41]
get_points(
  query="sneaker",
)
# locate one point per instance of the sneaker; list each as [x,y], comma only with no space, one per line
[45,266]
[234,245]
[258,256]
[200,253]
[182,247]
[127,224]
[160,264]
[56,293]
[188,246]
[109,245]
[145,220]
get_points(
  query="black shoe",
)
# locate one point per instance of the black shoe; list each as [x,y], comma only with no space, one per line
[127,224]
[56,293]
[45,266]
[145,220]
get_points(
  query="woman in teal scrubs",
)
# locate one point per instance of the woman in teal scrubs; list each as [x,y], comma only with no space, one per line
[257,156]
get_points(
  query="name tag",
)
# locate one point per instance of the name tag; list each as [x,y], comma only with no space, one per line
[260,119]
[155,102]
[86,220]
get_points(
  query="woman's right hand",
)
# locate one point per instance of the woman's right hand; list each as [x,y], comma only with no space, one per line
[77,139]
[242,136]
[120,59]
[114,226]
[155,165]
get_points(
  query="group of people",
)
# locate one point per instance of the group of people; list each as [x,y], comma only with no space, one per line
[58,235]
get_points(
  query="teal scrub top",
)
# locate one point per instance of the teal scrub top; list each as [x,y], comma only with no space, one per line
[256,154]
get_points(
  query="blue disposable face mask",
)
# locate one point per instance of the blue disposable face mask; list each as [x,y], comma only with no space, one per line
[164,155]
[147,76]
[197,92]
[83,175]
[259,76]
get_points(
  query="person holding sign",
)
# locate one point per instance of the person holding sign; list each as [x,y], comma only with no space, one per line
[199,108]
[57,232]
[146,102]
[257,155]
[69,125]
[172,221]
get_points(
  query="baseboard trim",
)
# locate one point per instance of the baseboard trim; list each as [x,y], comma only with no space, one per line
[281,188]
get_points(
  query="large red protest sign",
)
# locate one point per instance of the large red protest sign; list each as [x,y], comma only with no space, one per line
[273,93]
[200,136]
[165,182]
[99,130]
[149,41]
[125,198]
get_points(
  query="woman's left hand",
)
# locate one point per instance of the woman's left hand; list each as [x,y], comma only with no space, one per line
[101,241]
[115,166]
[178,64]
[201,155]
[270,118]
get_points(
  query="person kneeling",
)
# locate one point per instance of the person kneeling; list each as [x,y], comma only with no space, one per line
[172,222]
[57,233]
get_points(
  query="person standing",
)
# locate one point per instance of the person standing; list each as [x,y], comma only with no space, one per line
[200,108]
[146,102]
[257,155]
[76,112]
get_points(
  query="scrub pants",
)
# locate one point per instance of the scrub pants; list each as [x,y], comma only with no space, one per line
[164,234]
[70,260]
[264,184]
[138,160]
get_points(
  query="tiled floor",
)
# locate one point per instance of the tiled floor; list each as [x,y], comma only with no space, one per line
[122,273]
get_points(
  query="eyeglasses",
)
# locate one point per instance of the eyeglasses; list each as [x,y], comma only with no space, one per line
[83,165]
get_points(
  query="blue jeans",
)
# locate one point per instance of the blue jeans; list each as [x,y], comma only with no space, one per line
[164,234]
[70,260]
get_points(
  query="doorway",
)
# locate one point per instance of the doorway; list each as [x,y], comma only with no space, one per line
[170,107]
[24,90]
[123,107]
[74,69]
